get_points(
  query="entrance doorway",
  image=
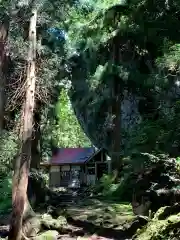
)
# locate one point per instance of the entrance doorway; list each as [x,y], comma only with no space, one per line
[102,168]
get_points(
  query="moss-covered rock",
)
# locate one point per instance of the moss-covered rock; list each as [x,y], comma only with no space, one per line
[163,226]
[50,223]
[48,235]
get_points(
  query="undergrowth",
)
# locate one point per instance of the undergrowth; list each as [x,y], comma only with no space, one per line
[5,193]
[136,165]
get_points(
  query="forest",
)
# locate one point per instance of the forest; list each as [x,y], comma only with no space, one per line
[83,73]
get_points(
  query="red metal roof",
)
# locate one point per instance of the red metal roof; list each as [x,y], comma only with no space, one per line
[72,155]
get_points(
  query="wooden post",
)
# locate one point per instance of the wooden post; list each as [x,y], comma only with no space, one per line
[102,156]
[50,177]
[59,175]
[109,165]
[86,172]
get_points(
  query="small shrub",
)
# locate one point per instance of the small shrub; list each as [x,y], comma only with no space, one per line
[106,185]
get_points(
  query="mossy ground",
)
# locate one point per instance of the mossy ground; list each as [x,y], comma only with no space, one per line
[102,213]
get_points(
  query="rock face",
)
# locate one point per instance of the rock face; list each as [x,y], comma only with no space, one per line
[139,110]
[98,127]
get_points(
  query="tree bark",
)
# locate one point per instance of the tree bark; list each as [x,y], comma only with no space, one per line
[4,27]
[116,110]
[36,139]
[20,202]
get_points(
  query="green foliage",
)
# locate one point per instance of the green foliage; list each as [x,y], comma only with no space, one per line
[106,185]
[141,173]
[149,61]
[157,136]
[170,60]
[5,193]
[8,150]
[64,130]
[68,132]
[148,52]
[144,137]
[40,176]
[4,8]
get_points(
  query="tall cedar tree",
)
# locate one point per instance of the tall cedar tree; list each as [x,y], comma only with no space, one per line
[4,27]
[21,171]
[116,109]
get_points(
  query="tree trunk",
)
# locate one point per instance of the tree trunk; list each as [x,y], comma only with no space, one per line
[36,139]
[34,191]
[4,27]
[116,111]
[21,171]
